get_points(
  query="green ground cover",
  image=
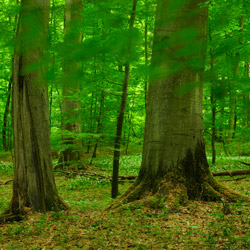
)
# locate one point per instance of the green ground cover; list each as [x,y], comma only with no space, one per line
[198,225]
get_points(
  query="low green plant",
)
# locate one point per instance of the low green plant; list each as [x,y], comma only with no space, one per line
[6,168]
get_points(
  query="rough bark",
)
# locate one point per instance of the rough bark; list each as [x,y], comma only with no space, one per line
[174,165]
[117,143]
[71,85]
[34,184]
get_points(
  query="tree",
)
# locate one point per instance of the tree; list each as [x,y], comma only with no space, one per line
[71,86]
[34,185]
[5,129]
[236,63]
[174,165]
[117,143]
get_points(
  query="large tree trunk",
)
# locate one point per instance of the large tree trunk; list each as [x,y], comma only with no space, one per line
[34,184]
[71,105]
[174,165]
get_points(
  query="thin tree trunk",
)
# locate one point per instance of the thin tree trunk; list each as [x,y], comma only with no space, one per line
[247,97]
[6,132]
[99,125]
[120,117]
[213,101]
[91,122]
[129,129]
[5,117]
[146,62]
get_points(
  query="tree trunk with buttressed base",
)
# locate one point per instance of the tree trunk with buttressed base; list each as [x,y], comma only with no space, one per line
[34,185]
[174,165]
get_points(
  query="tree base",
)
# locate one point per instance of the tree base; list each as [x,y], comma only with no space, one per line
[172,193]
[5,218]
[15,212]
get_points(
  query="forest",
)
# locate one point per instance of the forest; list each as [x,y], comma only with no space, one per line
[124,124]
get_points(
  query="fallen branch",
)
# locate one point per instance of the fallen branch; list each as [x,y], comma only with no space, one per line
[238,179]
[232,172]
[246,163]
[131,178]
[95,175]
[7,182]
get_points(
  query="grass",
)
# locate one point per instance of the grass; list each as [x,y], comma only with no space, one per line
[199,225]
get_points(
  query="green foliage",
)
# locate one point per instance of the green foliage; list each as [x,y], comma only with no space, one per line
[129,165]
[6,168]
[82,183]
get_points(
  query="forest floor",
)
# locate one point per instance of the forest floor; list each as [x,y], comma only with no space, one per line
[198,225]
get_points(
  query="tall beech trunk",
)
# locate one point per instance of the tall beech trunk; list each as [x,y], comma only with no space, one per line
[34,184]
[120,117]
[174,165]
[71,104]
[5,117]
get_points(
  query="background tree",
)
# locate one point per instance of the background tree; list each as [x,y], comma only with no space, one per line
[71,122]
[120,117]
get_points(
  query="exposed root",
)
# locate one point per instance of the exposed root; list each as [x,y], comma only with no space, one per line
[168,193]
[227,193]
[173,193]
[17,212]
[10,218]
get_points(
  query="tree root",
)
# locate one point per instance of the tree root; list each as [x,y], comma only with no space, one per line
[173,193]
[225,192]
[17,212]
[5,218]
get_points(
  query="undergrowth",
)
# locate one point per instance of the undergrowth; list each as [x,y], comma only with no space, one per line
[199,225]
